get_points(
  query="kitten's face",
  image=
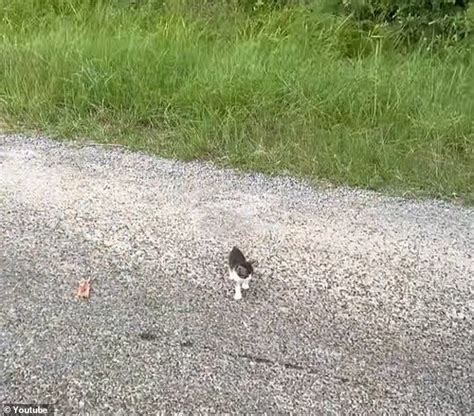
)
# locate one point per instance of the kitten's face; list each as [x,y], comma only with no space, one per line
[244,270]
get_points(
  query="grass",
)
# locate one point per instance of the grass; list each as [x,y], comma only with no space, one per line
[295,91]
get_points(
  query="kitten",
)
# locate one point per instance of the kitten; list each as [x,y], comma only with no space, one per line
[240,271]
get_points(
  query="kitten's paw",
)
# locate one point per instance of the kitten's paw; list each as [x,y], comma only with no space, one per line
[245,285]
[238,296]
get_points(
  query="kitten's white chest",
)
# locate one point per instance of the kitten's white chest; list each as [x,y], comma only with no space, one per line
[239,283]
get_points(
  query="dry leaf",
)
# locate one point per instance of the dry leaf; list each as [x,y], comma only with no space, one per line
[84,289]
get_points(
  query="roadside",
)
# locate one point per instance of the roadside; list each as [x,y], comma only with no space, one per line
[303,91]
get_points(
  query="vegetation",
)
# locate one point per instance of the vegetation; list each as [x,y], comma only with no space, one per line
[367,93]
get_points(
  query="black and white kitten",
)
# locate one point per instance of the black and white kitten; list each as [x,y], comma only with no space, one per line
[240,271]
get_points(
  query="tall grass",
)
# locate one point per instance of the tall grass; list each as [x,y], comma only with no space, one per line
[294,90]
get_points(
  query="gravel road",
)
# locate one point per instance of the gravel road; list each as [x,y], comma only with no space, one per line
[362,303]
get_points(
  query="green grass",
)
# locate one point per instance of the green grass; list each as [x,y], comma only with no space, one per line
[287,91]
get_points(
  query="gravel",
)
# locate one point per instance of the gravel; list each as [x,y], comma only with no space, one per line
[362,303]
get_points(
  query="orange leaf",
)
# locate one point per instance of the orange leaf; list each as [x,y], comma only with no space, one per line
[83,291]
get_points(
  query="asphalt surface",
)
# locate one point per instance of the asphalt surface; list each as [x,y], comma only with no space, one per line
[362,303]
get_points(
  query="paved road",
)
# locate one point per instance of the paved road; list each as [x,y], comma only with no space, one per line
[362,303]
